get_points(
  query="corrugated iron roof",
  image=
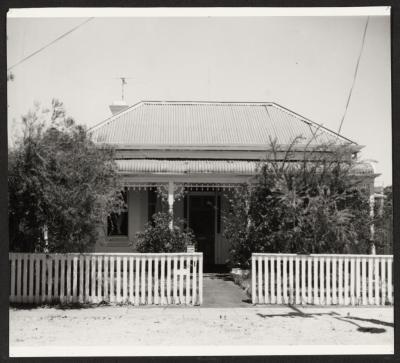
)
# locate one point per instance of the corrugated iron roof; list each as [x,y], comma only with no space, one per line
[169,124]
[240,167]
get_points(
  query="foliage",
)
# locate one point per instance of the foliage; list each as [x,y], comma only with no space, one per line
[159,237]
[384,223]
[60,181]
[311,205]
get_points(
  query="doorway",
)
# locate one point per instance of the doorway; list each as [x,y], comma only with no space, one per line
[201,219]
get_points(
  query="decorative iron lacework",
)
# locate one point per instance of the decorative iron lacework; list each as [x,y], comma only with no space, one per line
[189,186]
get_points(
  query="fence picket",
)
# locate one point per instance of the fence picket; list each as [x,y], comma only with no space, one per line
[175,282]
[297,277]
[169,281]
[266,281]
[346,281]
[125,279]
[68,280]
[376,278]
[99,279]
[143,282]
[44,272]
[334,281]
[62,278]
[18,297]
[303,281]
[322,299]
[156,263]
[49,282]
[201,279]
[352,281]
[309,280]
[80,295]
[284,279]
[181,292]
[187,278]
[370,281]
[253,280]
[12,290]
[340,282]
[25,279]
[137,280]
[315,267]
[328,281]
[118,272]
[149,281]
[390,282]
[278,281]
[383,281]
[87,282]
[162,277]
[273,296]
[363,281]
[259,284]
[358,287]
[75,279]
[291,280]
[106,293]
[194,281]
[131,281]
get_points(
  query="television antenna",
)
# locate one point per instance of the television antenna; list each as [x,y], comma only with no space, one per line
[123,83]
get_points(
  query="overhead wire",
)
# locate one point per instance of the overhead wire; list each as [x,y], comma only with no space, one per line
[49,44]
[354,76]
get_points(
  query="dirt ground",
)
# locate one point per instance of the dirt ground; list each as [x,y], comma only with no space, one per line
[138,326]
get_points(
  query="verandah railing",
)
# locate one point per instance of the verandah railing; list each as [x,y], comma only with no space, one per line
[136,278]
[322,279]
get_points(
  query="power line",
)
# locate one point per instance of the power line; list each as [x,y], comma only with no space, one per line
[355,76]
[47,45]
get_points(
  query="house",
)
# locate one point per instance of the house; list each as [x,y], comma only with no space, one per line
[203,148]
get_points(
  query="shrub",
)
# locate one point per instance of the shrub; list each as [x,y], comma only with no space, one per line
[312,205]
[159,237]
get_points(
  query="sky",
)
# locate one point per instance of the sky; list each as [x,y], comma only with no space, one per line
[305,64]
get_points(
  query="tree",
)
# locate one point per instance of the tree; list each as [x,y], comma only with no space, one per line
[59,181]
[307,204]
[384,223]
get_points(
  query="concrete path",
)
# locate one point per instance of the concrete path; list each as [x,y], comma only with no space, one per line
[219,291]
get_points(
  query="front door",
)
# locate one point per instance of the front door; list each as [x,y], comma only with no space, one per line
[202,222]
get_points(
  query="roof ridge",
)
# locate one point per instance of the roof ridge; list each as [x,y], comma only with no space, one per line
[310,122]
[113,117]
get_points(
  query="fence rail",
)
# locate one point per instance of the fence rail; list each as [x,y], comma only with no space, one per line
[136,278]
[322,279]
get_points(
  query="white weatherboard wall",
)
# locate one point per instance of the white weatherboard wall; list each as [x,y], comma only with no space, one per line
[322,279]
[135,278]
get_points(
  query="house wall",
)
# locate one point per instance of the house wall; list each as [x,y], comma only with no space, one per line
[137,218]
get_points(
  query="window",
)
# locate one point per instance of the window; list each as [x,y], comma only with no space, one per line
[117,223]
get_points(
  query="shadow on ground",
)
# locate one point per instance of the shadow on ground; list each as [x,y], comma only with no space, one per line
[73,306]
[348,319]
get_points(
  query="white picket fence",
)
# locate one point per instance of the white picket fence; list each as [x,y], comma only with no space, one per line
[151,278]
[322,279]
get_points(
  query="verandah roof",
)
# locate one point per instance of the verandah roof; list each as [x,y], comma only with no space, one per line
[237,167]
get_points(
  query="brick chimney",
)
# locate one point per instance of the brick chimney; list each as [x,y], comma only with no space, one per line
[117,107]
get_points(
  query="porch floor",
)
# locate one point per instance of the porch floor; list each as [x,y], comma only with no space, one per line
[219,291]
